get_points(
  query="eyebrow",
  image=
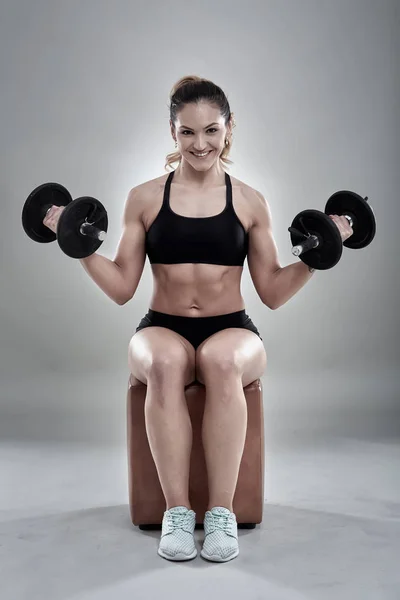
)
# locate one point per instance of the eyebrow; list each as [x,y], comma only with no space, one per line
[185,127]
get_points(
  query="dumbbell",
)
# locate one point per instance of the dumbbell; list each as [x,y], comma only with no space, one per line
[316,238]
[82,226]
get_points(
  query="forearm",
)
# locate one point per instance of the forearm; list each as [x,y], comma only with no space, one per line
[108,276]
[287,282]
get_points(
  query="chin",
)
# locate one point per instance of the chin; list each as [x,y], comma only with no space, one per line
[202,167]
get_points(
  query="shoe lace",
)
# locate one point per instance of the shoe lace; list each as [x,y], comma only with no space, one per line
[221,522]
[177,520]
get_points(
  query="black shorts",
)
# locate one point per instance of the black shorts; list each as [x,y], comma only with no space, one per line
[197,329]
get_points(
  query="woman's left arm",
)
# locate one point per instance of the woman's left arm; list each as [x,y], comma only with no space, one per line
[275,284]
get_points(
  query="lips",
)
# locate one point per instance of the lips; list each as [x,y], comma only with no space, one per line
[194,154]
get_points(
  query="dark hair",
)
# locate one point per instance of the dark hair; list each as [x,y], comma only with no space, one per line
[191,89]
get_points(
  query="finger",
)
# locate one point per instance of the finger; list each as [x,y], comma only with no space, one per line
[49,214]
[346,225]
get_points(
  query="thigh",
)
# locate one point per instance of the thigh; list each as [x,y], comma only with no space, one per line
[159,346]
[236,351]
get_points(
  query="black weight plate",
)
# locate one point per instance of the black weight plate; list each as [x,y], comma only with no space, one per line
[330,249]
[32,212]
[69,237]
[364,224]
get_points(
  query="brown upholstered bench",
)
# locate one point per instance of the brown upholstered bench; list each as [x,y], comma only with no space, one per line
[146,500]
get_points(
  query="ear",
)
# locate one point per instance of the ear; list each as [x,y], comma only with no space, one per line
[172,129]
[229,128]
[231,123]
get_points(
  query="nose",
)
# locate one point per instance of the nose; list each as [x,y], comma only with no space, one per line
[200,144]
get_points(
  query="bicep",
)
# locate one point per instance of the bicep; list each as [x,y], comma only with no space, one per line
[131,255]
[263,259]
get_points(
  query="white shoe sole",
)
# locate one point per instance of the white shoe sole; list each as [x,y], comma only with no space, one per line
[179,556]
[216,558]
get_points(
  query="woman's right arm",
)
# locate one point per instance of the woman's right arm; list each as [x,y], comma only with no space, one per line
[120,277]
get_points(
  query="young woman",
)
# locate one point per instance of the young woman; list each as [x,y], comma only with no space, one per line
[197,224]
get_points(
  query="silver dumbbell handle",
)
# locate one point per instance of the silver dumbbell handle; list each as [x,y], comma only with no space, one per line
[308,244]
[350,220]
[92,231]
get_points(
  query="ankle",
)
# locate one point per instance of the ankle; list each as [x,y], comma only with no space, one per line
[228,506]
[175,504]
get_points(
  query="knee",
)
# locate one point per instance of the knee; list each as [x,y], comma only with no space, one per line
[173,364]
[216,362]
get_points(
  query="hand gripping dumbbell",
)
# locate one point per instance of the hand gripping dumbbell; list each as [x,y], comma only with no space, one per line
[82,226]
[316,238]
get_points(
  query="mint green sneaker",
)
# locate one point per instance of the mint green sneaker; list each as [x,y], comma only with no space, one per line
[220,535]
[177,539]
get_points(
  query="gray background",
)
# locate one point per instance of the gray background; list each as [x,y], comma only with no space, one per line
[315,88]
[315,91]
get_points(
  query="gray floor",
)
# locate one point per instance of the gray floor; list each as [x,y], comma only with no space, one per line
[331,525]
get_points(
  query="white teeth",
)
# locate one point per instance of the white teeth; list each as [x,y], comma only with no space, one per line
[204,154]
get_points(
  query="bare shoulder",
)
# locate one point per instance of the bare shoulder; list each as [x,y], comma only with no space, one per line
[152,186]
[258,207]
[144,193]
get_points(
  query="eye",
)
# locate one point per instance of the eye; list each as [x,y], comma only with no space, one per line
[187,130]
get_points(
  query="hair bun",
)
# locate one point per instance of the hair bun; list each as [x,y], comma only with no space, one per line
[187,79]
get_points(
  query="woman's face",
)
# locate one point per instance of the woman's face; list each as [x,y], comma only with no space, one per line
[200,128]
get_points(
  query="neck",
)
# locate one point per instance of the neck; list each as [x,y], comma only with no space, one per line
[185,174]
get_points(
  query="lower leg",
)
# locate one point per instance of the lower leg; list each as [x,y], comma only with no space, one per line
[169,432]
[224,433]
